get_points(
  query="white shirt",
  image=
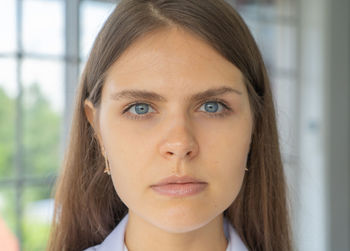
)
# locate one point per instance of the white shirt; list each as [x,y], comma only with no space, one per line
[115,240]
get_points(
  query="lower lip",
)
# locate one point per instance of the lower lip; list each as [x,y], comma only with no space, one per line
[183,189]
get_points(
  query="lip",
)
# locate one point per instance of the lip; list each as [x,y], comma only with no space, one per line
[178,180]
[179,190]
[179,186]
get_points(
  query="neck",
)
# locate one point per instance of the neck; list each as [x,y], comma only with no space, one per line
[209,237]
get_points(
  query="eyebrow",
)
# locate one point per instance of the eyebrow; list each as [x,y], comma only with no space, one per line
[149,95]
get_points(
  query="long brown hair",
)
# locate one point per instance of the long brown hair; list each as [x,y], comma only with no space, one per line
[87,208]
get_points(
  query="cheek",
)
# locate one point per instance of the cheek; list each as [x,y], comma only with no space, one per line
[125,154]
[226,173]
[119,137]
[228,144]
[226,153]
[227,168]
[127,173]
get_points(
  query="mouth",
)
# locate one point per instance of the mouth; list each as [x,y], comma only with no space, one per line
[180,189]
[178,180]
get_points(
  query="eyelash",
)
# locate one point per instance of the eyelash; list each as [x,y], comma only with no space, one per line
[226,109]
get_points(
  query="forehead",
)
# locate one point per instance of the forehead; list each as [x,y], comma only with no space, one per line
[172,58]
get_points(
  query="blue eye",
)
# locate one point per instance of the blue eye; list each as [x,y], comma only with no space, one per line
[212,107]
[140,110]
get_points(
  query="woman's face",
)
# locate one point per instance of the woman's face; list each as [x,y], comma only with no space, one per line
[174,131]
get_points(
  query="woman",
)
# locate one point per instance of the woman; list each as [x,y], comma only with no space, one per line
[174,143]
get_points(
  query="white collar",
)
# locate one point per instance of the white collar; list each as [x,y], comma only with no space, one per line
[115,240]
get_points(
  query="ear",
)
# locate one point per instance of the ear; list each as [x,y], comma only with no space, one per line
[90,113]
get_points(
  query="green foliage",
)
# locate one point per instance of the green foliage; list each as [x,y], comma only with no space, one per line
[35,235]
[7,197]
[41,137]
[35,227]
[40,142]
[7,134]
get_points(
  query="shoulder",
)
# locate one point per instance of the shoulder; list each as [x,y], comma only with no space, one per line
[93,248]
[114,239]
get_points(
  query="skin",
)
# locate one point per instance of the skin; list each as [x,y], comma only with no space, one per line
[178,137]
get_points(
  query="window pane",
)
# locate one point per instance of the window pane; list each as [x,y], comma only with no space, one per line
[42,109]
[8,220]
[93,14]
[264,33]
[284,91]
[8,92]
[285,58]
[277,44]
[267,10]
[37,214]
[7,26]
[43,30]
[266,38]
[248,11]
[272,25]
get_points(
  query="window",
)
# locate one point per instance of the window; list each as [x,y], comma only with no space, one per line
[33,106]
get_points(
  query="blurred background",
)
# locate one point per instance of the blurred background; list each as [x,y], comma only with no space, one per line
[44,45]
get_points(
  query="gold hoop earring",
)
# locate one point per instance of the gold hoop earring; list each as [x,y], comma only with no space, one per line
[107,168]
[246,169]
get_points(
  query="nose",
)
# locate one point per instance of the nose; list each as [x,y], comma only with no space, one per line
[180,150]
[179,144]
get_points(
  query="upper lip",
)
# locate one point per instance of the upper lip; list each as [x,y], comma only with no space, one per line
[177,179]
